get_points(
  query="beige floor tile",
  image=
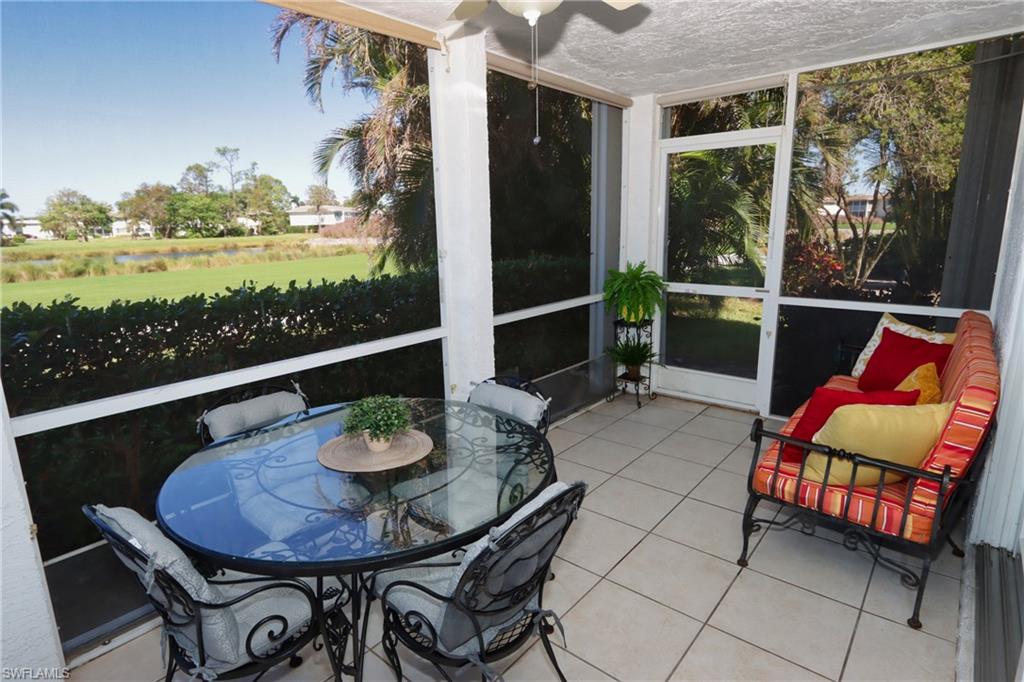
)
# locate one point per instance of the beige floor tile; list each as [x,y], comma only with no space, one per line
[634,434]
[720,656]
[602,454]
[720,429]
[790,622]
[679,404]
[675,575]
[883,650]
[665,417]
[571,471]
[136,660]
[627,635]
[562,439]
[587,423]
[724,489]
[634,503]
[818,531]
[940,610]
[570,583]
[417,669]
[732,415]
[738,461]
[946,564]
[706,451]
[706,527]
[815,564]
[534,666]
[316,667]
[662,471]
[376,669]
[617,408]
[596,542]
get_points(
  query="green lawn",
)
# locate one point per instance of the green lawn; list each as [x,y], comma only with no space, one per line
[99,291]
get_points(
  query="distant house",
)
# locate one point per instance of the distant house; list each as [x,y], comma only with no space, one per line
[859,206]
[31,228]
[307,216]
[121,228]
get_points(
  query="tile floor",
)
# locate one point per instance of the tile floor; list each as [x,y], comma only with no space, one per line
[647,583]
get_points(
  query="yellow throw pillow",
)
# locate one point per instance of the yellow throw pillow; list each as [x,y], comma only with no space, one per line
[925,379]
[894,433]
[900,327]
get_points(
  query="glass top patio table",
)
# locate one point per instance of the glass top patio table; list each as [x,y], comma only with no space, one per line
[262,502]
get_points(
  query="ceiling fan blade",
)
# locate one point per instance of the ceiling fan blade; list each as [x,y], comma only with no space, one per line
[468,9]
[622,4]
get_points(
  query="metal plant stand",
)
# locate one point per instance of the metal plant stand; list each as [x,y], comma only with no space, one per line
[638,332]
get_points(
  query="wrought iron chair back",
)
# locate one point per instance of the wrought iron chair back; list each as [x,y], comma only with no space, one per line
[182,613]
[527,386]
[498,600]
[241,395]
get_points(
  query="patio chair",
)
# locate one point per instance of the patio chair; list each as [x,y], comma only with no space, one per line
[524,401]
[486,606]
[231,626]
[247,409]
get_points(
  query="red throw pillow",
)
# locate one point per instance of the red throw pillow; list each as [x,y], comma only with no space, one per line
[825,401]
[897,356]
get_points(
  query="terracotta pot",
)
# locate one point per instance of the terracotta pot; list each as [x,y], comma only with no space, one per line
[374,444]
[633,372]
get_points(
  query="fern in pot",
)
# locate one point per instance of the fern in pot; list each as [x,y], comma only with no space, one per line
[636,293]
[380,418]
[633,354]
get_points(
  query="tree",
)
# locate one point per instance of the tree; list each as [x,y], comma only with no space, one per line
[148,205]
[200,215]
[266,200]
[8,211]
[387,151]
[198,179]
[318,197]
[72,213]
[228,160]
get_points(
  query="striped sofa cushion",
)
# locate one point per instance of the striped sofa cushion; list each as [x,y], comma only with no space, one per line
[971,379]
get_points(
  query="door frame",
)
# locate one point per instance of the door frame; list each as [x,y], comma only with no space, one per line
[708,386]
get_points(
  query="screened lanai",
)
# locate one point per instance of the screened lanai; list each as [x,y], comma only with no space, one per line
[792,171]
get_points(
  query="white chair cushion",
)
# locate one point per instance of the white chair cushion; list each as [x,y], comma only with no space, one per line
[520,404]
[220,629]
[246,415]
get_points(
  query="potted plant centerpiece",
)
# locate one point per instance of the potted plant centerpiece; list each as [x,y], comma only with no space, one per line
[380,418]
[633,353]
[636,293]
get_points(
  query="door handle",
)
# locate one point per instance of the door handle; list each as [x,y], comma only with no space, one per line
[762,291]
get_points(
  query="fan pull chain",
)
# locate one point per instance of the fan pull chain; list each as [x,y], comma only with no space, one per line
[535,76]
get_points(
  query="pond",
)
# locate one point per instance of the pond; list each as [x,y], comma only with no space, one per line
[174,255]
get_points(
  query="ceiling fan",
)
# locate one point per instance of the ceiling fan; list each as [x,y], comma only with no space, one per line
[531,10]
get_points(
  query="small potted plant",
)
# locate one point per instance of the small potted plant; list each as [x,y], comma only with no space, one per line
[380,418]
[635,294]
[634,354]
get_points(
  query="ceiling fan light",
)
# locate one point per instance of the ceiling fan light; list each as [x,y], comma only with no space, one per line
[531,10]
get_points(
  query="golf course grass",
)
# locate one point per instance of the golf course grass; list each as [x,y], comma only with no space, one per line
[174,284]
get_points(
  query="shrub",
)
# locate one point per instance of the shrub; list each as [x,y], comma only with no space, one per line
[380,415]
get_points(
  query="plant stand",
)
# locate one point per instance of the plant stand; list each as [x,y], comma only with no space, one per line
[634,331]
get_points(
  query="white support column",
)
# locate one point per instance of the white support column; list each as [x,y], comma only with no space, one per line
[458,118]
[28,630]
[640,227]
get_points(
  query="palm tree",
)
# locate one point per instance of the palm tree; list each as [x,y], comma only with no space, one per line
[8,211]
[387,151]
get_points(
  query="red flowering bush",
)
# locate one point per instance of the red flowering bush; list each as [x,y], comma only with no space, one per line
[811,267]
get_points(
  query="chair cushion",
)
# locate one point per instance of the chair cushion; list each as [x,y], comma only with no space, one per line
[890,322]
[897,355]
[227,420]
[825,400]
[520,404]
[220,629]
[926,380]
[893,433]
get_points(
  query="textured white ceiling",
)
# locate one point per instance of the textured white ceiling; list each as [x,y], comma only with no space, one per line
[668,45]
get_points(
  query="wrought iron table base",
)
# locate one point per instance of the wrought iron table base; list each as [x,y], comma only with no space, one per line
[337,629]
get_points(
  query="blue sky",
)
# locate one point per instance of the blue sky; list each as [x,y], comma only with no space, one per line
[102,96]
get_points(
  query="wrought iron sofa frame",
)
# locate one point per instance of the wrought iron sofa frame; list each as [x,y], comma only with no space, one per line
[953,496]
[176,598]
